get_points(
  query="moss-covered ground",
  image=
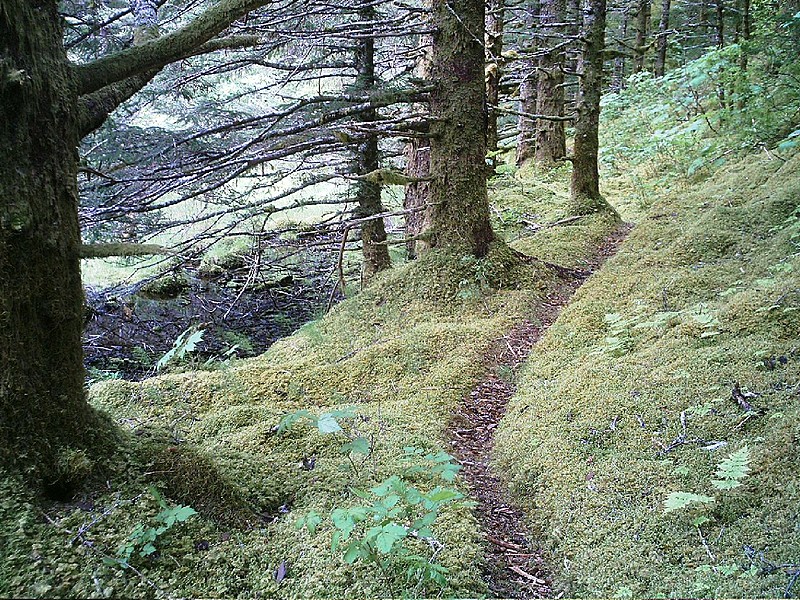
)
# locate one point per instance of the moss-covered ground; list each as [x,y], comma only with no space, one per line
[629,397]
[398,358]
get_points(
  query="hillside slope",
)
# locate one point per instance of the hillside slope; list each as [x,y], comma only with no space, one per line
[640,390]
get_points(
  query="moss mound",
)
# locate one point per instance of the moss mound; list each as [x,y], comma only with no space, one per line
[632,396]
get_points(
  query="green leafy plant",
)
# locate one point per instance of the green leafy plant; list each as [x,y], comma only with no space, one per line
[730,472]
[143,538]
[332,422]
[392,527]
[679,500]
[186,343]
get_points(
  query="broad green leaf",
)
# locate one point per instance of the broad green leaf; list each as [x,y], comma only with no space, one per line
[388,535]
[184,512]
[440,495]
[327,423]
[393,484]
[343,521]
[360,445]
[354,552]
[310,522]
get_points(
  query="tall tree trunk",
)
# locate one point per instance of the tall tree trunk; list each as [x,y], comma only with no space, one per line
[418,158]
[642,29]
[417,195]
[44,416]
[526,126]
[495,19]
[551,145]
[702,21]
[618,76]
[585,195]
[368,194]
[720,11]
[746,32]
[460,216]
[526,139]
[43,410]
[661,45]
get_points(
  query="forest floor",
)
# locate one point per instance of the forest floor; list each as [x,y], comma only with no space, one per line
[515,567]
[242,310]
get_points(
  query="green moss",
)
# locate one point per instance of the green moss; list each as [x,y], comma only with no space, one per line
[165,287]
[701,295]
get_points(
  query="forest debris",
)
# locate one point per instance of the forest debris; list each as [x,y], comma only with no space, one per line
[743,398]
[526,575]
[504,544]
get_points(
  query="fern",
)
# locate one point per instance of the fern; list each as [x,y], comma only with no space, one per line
[679,500]
[732,470]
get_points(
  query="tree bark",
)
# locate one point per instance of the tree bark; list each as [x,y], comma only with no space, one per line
[460,215]
[585,195]
[43,410]
[661,44]
[495,17]
[720,12]
[44,415]
[618,76]
[418,158]
[551,145]
[746,20]
[526,138]
[368,194]
[642,29]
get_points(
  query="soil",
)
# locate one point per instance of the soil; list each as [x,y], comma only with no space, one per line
[241,310]
[515,567]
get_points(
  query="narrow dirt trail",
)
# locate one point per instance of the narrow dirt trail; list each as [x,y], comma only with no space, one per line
[515,567]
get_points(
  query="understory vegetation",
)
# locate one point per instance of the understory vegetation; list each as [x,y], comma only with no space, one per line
[678,357]
[652,442]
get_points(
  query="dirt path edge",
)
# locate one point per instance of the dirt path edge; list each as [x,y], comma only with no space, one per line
[514,565]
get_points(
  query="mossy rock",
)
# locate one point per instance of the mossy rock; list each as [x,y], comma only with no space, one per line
[166,287]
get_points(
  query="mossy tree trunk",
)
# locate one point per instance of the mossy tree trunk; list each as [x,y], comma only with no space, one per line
[642,30]
[460,205]
[43,111]
[526,140]
[368,194]
[42,404]
[417,154]
[585,184]
[618,74]
[526,126]
[663,38]
[495,22]
[551,145]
